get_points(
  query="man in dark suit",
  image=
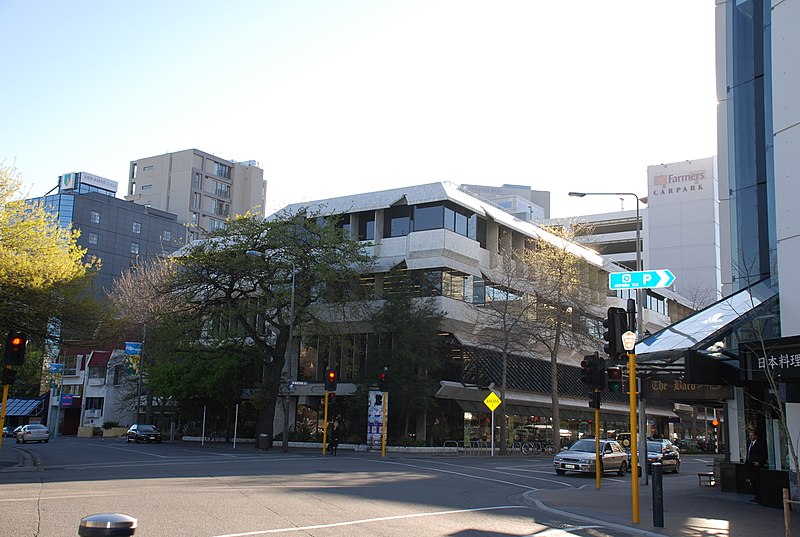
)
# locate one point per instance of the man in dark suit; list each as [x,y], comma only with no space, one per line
[756,459]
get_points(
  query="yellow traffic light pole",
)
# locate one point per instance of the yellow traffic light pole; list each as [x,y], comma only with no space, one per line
[383,425]
[325,426]
[598,474]
[634,435]
[3,411]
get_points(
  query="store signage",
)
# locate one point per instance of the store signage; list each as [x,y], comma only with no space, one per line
[676,389]
[777,357]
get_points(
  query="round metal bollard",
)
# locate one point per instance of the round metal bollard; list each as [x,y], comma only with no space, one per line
[107,525]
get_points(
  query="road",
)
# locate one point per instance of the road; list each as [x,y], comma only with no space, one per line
[176,489]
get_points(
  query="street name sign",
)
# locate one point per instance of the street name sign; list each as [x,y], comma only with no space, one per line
[642,279]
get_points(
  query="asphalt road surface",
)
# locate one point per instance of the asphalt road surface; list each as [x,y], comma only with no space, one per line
[177,489]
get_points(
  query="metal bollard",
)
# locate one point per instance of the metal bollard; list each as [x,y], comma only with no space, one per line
[107,525]
[658,495]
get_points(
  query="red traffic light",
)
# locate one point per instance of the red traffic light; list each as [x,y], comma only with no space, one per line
[16,341]
[15,348]
[330,380]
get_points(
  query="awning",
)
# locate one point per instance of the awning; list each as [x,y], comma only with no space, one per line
[706,327]
[470,399]
[25,407]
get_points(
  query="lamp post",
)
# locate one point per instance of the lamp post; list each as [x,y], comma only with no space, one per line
[288,387]
[639,331]
[639,326]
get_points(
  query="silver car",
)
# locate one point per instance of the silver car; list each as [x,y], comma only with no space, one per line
[33,432]
[580,457]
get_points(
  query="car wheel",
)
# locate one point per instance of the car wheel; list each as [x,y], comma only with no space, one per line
[18,440]
[46,441]
[623,468]
[136,440]
[677,467]
[127,439]
[561,472]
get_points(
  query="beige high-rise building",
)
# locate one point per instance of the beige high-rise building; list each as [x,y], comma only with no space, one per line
[203,190]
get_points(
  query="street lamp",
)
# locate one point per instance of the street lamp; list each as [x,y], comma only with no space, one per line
[285,443]
[639,325]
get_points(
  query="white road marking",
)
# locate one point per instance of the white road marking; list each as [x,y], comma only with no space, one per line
[460,473]
[66,496]
[371,520]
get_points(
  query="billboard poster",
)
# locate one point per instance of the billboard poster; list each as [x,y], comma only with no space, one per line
[375,409]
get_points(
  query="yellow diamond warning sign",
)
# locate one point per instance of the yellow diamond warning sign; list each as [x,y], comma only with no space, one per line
[492,401]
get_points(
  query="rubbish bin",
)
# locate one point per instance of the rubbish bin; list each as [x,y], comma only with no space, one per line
[262,442]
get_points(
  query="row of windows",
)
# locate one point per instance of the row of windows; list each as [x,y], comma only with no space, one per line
[218,188]
[136,227]
[401,220]
[94,239]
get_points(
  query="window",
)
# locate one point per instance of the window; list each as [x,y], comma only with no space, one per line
[222,170]
[222,190]
[198,181]
[135,248]
[366,226]
[97,372]
[217,207]
[137,227]
[147,187]
[95,217]
[94,403]
[398,221]
[196,200]
[428,217]
[195,218]
[147,168]
[217,224]
[118,371]
[93,238]
[167,236]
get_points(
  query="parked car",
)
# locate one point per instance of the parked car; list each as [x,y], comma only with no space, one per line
[580,457]
[8,430]
[139,432]
[666,453]
[33,432]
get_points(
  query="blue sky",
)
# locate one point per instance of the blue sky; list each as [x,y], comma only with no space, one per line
[339,97]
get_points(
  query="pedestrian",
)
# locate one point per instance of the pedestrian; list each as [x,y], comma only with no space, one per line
[756,460]
[334,443]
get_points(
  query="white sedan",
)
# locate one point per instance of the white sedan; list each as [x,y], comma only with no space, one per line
[33,432]
[580,457]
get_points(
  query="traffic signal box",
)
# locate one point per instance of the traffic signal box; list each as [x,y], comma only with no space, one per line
[15,348]
[593,371]
[330,380]
[383,381]
[614,379]
[616,324]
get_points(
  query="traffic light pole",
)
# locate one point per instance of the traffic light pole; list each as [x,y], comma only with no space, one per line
[598,474]
[325,426]
[3,411]
[634,451]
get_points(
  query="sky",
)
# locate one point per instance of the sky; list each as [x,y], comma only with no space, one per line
[340,97]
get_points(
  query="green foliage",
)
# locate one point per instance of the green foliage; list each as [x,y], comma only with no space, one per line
[230,327]
[409,345]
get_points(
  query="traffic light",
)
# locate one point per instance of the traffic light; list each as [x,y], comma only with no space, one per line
[599,373]
[382,380]
[15,348]
[330,380]
[614,379]
[586,369]
[9,376]
[616,324]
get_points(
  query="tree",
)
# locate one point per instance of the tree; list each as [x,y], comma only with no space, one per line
[44,277]
[566,290]
[409,346]
[502,318]
[243,308]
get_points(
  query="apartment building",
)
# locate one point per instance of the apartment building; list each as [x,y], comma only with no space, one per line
[203,190]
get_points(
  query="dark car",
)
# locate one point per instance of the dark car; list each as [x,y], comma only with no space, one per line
[8,430]
[666,453]
[143,433]
[580,457]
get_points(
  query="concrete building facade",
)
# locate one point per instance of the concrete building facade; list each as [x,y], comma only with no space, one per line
[201,189]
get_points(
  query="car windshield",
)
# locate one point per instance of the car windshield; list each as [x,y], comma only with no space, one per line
[657,447]
[146,429]
[584,445]
[35,427]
